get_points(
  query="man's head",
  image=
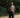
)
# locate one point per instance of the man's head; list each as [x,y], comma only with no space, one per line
[11,3]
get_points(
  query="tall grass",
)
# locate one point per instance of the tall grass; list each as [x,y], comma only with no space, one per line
[17,13]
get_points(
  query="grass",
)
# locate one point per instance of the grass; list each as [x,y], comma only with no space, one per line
[17,13]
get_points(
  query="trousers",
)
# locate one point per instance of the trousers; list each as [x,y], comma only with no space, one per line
[11,14]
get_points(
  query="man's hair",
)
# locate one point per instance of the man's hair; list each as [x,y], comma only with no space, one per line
[11,1]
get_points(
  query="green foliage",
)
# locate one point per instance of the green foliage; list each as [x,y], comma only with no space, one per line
[17,13]
[2,10]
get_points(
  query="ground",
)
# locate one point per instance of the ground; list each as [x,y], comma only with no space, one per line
[15,16]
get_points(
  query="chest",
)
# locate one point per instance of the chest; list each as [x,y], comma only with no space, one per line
[12,7]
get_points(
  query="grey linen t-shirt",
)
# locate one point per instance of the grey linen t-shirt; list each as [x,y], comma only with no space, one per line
[12,8]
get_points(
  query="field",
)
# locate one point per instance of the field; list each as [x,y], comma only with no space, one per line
[15,16]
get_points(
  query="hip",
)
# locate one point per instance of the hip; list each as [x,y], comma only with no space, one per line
[11,12]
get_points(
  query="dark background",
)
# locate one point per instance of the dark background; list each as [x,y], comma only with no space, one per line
[4,6]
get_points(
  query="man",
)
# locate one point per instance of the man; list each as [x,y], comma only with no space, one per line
[12,10]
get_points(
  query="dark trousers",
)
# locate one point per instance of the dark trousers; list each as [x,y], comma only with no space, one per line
[10,14]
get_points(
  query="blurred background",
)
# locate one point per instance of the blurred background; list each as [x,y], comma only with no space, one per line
[4,4]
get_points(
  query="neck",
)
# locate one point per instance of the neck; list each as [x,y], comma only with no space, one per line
[11,5]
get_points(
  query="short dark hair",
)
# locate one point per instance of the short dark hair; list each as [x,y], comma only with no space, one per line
[12,1]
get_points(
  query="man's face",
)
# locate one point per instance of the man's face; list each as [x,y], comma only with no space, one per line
[12,3]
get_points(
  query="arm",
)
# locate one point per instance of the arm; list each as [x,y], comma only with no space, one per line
[9,8]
